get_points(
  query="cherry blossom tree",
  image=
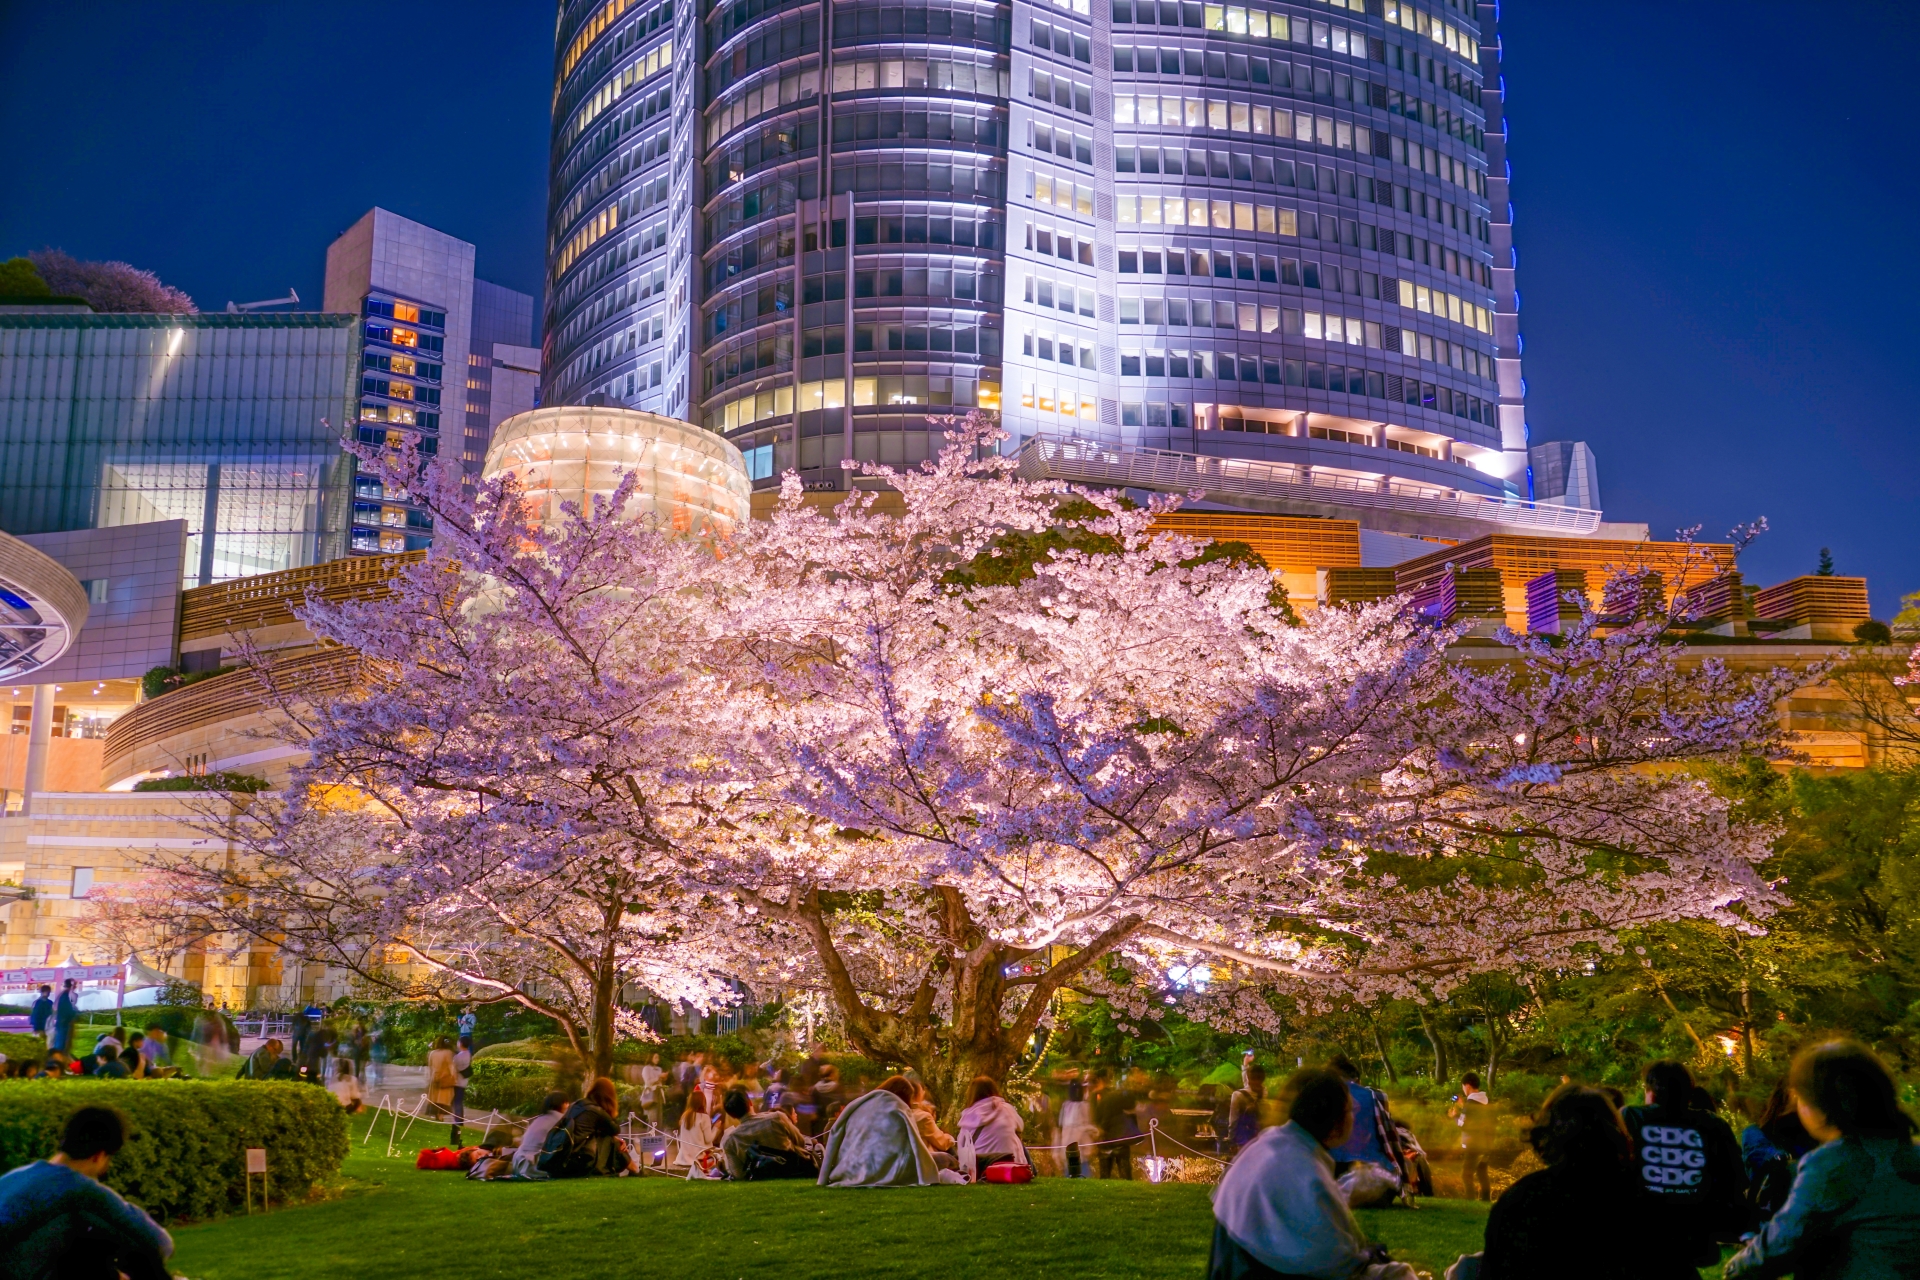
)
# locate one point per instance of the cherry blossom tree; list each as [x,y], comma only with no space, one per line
[498,806]
[1126,772]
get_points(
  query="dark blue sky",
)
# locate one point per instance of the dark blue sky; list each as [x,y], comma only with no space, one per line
[1715,213]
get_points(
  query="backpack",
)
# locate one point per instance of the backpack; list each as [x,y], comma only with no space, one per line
[764,1164]
[437,1158]
[557,1152]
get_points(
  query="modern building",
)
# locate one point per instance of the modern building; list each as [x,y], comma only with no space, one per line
[424,322]
[1265,252]
[230,423]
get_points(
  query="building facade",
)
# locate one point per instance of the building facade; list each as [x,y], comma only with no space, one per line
[1193,234]
[230,423]
[423,321]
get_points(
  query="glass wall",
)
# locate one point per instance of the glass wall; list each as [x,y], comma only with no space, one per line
[231,423]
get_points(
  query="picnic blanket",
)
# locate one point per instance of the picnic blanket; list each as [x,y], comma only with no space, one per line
[874,1144]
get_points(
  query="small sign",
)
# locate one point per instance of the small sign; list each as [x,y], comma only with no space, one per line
[256,1159]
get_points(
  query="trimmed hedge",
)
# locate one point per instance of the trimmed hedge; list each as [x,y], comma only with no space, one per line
[22,1046]
[514,1086]
[188,1138]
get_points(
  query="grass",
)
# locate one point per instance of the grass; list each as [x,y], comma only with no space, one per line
[386,1219]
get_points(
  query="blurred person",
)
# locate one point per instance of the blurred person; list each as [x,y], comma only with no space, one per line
[1770,1150]
[107,1064]
[469,1021]
[210,1037]
[57,1220]
[1689,1163]
[695,1132]
[318,1053]
[593,1125]
[750,1139]
[441,1076]
[825,1096]
[990,1128]
[66,1012]
[360,1049]
[268,1062]
[134,1061]
[1854,1210]
[1583,1216]
[154,1048]
[1472,1113]
[652,1094]
[1114,1112]
[926,1120]
[1243,1108]
[533,1139]
[377,1051]
[1077,1128]
[1278,1213]
[462,1077]
[40,1018]
[1375,1139]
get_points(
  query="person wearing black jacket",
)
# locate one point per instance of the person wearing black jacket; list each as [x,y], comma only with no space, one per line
[1688,1163]
[1583,1217]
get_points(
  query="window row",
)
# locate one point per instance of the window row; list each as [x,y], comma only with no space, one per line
[402,415]
[397,336]
[1065,245]
[406,313]
[1299,78]
[954,76]
[769,144]
[769,94]
[612,174]
[770,354]
[1260,24]
[1068,401]
[1313,375]
[405,365]
[958,180]
[649,283]
[394,390]
[1317,326]
[1062,40]
[1174,211]
[1061,91]
[927,282]
[739,15]
[1075,148]
[831,393]
[1061,192]
[969,340]
[1075,350]
[743,309]
[639,71]
[1269,170]
[1074,298]
[598,20]
[928,229]
[774,45]
[965,127]
[960,21]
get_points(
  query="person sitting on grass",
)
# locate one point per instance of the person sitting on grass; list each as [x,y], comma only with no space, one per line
[534,1139]
[1566,1220]
[56,1220]
[1278,1213]
[268,1062]
[593,1127]
[938,1140]
[696,1131]
[1689,1163]
[109,1064]
[1854,1210]
[766,1144]
[990,1126]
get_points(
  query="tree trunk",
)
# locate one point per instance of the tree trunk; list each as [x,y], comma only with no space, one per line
[1441,1068]
[1746,1027]
[1380,1047]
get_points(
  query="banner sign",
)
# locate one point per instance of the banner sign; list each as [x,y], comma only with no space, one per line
[32,979]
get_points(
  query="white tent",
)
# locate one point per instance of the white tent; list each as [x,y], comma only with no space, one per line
[100,985]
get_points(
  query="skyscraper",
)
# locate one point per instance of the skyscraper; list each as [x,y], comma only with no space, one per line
[424,320]
[1261,251]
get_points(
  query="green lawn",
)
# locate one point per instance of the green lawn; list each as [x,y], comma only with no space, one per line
[389,1220]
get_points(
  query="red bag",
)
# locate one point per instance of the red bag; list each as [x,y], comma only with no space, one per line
[1008,1172]
[437,1158]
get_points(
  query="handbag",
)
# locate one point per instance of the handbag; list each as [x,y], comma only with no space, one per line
[1008,1172]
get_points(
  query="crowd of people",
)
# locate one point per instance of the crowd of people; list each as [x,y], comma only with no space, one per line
[1824,1185]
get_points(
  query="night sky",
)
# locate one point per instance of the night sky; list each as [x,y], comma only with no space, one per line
[1715,214]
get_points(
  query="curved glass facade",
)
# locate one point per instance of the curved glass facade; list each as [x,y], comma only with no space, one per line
[1268,233]
[619,189]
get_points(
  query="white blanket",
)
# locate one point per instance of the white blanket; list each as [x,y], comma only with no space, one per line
[874,1143]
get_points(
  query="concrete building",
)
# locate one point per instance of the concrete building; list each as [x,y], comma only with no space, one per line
[424,322]
[1262,251]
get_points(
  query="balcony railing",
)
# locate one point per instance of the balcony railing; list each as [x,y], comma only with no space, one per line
[1095,462]
[234,695]
[268,599]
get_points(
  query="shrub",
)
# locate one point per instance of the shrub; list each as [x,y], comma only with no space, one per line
[188,1139]
[515,1086]
[159,680]
[22,1046]
[221,781]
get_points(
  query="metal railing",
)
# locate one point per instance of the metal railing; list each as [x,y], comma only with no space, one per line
[1045,457]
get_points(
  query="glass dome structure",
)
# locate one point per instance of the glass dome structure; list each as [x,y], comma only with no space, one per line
[690,480]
